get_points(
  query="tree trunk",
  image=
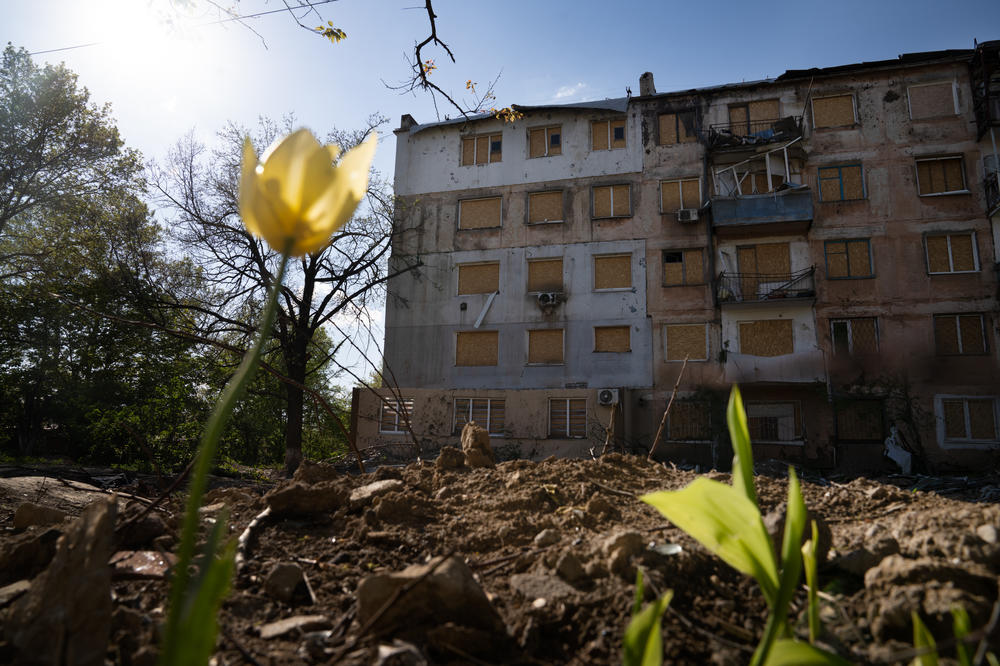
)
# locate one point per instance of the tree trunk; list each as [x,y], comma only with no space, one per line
[296,359]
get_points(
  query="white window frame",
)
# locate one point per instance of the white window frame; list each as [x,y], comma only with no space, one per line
[850,333]
[611,132]
[954,99]
[489,148]
[812,110]
[546,129]
[399,423]
[965,443]
[611,188]
[568,419]
[489,414]
[951,257]
[965,176]
[777,407]
[983,329]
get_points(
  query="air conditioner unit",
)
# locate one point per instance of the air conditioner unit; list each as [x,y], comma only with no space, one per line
[607,397]
[687,215]
[549,298]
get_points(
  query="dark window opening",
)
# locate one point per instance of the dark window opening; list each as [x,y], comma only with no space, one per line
[619,134]
[495,146]
[841,338]
[554,139]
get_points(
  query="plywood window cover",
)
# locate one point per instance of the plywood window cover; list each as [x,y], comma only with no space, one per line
[951,252]
[546,346]
[478,278]
[854,106]
[542,280]
[616,280]
[866,269]
[839,169]
[574,418]
[687,338]
[495,414]
[549,196]
[774,337]
[608,142]
[548,149]
[612,339]
[480,200]
[489,159]
[391,412]
[612,201]
[851,323]
[967,417]
[680,195]
[964,331]
[477,348]
[675,135]
[692,266]
[961,163]
[954,99]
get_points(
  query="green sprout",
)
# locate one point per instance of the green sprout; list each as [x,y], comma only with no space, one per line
[643,643]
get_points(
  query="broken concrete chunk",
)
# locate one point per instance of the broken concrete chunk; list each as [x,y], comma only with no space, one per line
[141,564]
[29,513]
[547,537]
[300,498]
[298,623]
[476,446]
[363,496]
[449,458]
[287,582]
[987,533]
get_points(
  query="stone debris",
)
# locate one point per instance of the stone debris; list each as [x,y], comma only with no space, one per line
[400,653]
[25,555]
[9,593]
[450,458]
[988,533]
[66,615]
[476,446]
[570,568]
[296,497]
[363,496]
[140,564]
[142,532]
[860,560]
[29,514]
[541,586]
[287,582]
[310,472]
[547,537]
[298,623]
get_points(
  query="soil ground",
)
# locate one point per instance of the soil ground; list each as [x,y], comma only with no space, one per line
[544,542]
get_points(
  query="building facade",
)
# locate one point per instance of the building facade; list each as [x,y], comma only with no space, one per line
[826,239]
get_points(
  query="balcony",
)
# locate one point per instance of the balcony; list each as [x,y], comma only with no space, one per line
[805,367]
[754,132]
[732,288]
[991,186]
[781,212]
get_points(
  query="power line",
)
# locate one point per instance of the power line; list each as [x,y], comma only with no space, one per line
[201,25]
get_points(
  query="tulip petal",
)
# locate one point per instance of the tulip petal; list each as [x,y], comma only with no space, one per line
[248,186]
[339,201]
[287,162]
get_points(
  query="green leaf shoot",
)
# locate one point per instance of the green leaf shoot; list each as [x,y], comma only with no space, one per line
[922,639]
[787,652]
[810,566]
[643,642]
[736,418]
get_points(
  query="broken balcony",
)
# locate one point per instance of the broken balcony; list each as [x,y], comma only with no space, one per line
[805,367]
[731,288]
[742,133]
[784,211]
[991,186]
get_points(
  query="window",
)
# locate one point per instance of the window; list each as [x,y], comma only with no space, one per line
[607,134]
[545,275]
[835,111]
[681,267]
[612,201]
[545,141]
[931,100]
[967,418]
[767,337]
[479,213]
[940,175]
[858,335]
[545,346]
[848,259]
[482,149]
[478,278]
[689,420]
[753,117]
[487,413]
[841,183]
[395,414]
[774,421]
[545,207]
[952,253]
[612,339]
[686,341]
[476,348]
[677,128]
[960,334]
[860,421]
[677,194]
[568,417]
[613,272]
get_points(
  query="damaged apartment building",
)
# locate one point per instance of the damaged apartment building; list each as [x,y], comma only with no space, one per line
[826,239]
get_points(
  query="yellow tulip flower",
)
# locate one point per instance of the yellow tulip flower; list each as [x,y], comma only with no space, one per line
[294,193]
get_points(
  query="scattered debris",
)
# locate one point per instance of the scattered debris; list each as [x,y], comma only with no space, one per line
[297,624]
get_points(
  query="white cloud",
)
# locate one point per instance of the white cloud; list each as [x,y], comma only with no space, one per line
[573,93]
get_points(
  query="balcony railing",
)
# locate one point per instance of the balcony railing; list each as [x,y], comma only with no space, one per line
[745,133]
[756,287]
[991,186]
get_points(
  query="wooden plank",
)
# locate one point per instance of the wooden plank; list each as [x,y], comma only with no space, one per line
[545,346]
[937,254]
[496,148]
[963,257]
[739,119]
[746,262]
[971,330]
[618,125]
[853,183]
[602,201]
[694,270]
[932,101]
[479,213]
[668,129]
[686,340]
[833,111]
[764,109]
[954,418]
[599,135]
[687,131]
[930,177]
[468,151]
[858,259]
[613,272]
[482,149]
[670,196]
[982,418]
[954,180]
[611,339]
[536,142]
[946,334]
[545,275]
[478,278]
[554,134]
[474,348]
[864,335]
[545,207]
[690,193]
[774,258]
[622,200]
[829,185]
[767,337]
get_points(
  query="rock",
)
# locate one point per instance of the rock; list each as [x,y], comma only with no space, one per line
[774,521]
[547,537]
[988,533]
[300,498]
[862,559]
[620,564]
[629,542]
[298,623]
[211,509]
[310,472]
[66,615]
[476,446]
[541,586]
[515,480]
[28,514]
[569,567]
[599,506]
[25,555]
[363,496]
[9,593]
[400,653]
[287,582]
[448,594]
[140,564]
[142,532]
[450,458]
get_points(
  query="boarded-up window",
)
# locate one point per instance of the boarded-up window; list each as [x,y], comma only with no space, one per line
[677,128]
[970,419]
[952,253]
[482,149]
[960,334]
[686,341]
[478,278]
[763,110]
[689,420]
[739,120]
[395,414]
[479,213]
[758,183]
[860,421]
[841,183]
[612,201]
[488,413]
[613,272]
[545,207]
[568,417]
[767,337]
[848,258]
[607,134]
[545,346]
[932,100]
[611,339]
[476,348]
[545,141]
[837,111]
[774,421]
[545,275]
[940,175]
[858,335]
[683,267]
[677,194]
